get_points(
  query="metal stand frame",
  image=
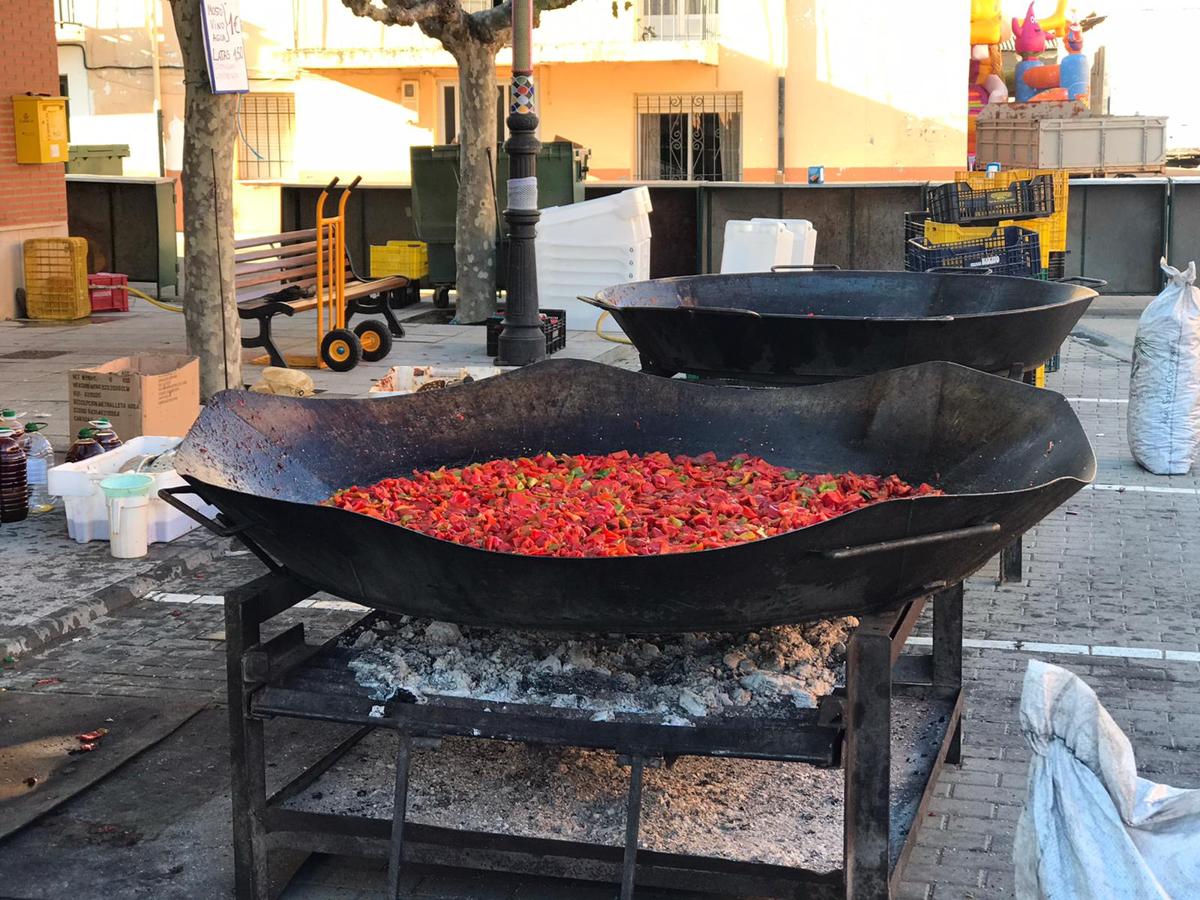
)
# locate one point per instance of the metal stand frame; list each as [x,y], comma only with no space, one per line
[286,677]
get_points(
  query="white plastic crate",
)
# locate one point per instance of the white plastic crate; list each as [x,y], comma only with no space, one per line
[619,218]
[87,513]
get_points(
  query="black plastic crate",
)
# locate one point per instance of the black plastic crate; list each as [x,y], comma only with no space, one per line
[957,203]
[1010,250]
[914,230]
[1058,265]
[554,326]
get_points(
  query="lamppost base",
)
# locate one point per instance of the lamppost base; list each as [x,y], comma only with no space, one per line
[521,349]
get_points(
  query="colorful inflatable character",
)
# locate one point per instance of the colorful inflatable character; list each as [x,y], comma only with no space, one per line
[986,81]
[1038,81]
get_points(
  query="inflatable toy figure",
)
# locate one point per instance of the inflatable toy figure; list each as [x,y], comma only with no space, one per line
[986,82]
[1038,81]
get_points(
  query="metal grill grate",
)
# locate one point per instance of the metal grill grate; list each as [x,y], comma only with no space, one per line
[690,137]
[267,123]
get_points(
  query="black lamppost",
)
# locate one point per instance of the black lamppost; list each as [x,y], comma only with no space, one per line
[522,341]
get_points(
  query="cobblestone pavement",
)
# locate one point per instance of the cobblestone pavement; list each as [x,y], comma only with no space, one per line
[1108,592]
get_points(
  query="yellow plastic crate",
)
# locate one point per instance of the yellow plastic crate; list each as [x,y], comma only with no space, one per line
[1052,229]
[407,258]
[56,285]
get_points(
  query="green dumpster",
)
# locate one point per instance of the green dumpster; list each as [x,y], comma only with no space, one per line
[96,159]
[561,170]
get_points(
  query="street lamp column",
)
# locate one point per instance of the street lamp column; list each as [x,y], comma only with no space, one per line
[522,341]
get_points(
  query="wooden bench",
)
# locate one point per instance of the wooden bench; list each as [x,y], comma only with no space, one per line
[277,275]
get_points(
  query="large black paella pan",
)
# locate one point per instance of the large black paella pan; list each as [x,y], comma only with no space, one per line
[1005,453]
[804,327]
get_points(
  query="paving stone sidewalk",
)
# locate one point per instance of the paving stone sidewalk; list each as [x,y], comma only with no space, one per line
[1111,572]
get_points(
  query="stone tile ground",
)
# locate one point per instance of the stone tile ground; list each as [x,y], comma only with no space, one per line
[1112,570]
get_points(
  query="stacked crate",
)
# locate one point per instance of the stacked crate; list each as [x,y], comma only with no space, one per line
[1010,222]
[108,292]
[972,224]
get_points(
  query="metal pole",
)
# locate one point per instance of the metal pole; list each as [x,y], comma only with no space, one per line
[521,341]
[153,11]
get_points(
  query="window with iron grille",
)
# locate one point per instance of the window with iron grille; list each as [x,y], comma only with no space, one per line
[474,6]
[266,123]
[689,137]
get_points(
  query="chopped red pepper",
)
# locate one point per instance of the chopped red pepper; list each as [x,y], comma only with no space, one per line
[621,504]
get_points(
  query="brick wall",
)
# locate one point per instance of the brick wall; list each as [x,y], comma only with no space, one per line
[32,194]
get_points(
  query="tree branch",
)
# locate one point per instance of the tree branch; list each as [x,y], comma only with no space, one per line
[399,12]
[498,19]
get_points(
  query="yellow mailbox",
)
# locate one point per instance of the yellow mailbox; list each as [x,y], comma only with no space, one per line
[41,127]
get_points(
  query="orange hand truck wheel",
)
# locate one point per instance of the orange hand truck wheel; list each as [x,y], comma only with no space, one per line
[341,350]
[375,338]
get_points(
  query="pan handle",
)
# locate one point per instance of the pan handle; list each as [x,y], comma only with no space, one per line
[167,495]
[1084,280]
[812,267]
[938,537]
[959,270]
[598,303]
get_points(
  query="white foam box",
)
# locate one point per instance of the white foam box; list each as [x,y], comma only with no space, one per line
[87,512]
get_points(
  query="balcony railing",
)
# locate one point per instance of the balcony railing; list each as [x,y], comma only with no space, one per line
[64,13]
[678,20]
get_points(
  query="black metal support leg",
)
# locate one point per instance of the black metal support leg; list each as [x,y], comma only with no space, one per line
[389,315]
[1010,563]
[399,812]
[265,340]
[947,653]
[633,817]
[867,756]
[247,760]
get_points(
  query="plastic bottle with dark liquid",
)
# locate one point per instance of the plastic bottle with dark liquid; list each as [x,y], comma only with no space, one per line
[14,489]
[105,436]
[85,447]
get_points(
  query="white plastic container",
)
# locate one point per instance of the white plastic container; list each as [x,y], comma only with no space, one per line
[87,513]
[804,239]
[588,246]
[623,217]
[128,499]
[755,246]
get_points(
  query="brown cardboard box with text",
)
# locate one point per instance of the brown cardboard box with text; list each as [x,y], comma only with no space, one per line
[154,393]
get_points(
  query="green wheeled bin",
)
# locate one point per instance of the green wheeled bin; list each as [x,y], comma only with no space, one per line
[561,171]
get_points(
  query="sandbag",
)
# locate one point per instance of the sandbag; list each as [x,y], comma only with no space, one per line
[1091,827]
[1164,388]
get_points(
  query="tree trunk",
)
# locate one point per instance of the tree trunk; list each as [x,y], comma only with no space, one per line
[476,223]
[209,303]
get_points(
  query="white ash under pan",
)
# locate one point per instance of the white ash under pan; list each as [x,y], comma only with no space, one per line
[676,678]
[782,813]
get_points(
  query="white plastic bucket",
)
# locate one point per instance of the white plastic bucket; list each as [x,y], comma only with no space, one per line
[128,499]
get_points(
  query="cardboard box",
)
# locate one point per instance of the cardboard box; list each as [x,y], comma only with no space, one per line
[154,393]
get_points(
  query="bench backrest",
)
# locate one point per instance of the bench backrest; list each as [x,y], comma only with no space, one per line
[264,265]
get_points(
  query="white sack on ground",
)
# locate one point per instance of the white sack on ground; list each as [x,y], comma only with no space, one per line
[1091,827]
[1164,388]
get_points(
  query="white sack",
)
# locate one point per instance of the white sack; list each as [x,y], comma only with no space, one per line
[1164,389]
[1091,828]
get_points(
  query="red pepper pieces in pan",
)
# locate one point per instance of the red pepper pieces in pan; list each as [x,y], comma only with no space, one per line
[620,504]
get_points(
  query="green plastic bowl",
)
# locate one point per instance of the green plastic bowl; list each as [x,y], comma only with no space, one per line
[127,484]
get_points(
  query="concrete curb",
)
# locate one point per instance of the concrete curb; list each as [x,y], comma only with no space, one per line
[63,621]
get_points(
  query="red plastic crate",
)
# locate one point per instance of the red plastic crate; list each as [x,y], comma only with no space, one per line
[108,292]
